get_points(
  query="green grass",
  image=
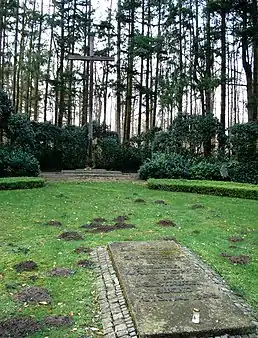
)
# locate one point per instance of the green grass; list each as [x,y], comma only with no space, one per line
[203,230]
[219,188]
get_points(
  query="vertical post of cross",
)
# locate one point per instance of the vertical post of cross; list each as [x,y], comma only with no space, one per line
[90,128]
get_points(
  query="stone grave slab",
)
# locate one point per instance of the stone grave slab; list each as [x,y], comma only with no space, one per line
[162,285]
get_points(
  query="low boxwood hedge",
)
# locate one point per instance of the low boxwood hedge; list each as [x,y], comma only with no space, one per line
[12,183]
[229,189]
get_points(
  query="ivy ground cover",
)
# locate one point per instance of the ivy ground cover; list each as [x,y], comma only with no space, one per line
[46,277]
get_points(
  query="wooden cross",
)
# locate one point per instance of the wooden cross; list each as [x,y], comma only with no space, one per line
[91,58]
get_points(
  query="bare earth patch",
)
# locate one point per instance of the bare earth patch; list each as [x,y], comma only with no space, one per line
[57,321]
[70,236]
[54,223]
[235,239]
[34,294]
[82,249]
[92,225]
[160,202]
[243,260]
[18,327]
[60,272]
[85,263]
[25,266]
[99,220]
[167,223]
[120,219]
[108,228]
[139,200]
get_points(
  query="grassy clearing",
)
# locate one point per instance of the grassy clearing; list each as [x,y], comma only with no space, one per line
[204,224]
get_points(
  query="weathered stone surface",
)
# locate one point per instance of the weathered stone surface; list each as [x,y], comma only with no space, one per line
[163,286]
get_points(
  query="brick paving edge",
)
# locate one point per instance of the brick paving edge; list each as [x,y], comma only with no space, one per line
[116,319]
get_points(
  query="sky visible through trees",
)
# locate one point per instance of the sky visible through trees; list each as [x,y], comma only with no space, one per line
[171,56]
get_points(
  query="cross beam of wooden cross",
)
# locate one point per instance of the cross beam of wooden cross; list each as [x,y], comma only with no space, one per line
[91,59]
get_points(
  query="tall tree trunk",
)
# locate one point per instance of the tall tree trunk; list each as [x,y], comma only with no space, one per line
[61,84]
[48,69]
[223,75]
[129,91]
[15,56]
[141,75]
[157,70]
[147,85]
[36,102]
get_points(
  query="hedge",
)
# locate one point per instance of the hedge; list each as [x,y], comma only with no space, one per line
[229,189]
[12,183]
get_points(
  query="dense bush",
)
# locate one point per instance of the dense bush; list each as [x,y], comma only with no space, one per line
[17,163]
[21,183]
[165,166]
[20,133]
[244,141]
[206,187]
[246,172]
[6,110]
[205,171]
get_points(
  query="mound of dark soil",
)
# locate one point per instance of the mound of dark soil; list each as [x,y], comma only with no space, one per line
[99,220]
[243,260]
[108,228]
[60,272]
[85,263]
[54,223]
[235,239]
[160,202]
[82,249]
[34,294]
[139,200]
[167,223]
[197,206]
[57,321]
[121,219]
[18,327]
[70,236]
[92,225]
[25,266]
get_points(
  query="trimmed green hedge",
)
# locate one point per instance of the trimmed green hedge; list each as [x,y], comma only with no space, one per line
[12,183]
[229,189]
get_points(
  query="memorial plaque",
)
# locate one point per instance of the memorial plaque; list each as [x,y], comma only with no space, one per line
[163,284]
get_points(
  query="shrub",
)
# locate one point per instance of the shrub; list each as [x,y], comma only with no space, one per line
[17,163]
[229,189]
[21,183]
[20,133]
[243,172]
[165,166]
[244,139]
[6,110]
[206,171]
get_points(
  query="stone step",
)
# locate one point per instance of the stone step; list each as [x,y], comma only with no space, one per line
[90,172]
[81,176]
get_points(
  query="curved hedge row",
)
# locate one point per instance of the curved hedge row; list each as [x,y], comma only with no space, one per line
[12,183]
[229,189]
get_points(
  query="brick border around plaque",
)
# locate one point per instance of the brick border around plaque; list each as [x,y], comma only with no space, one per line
[116,319]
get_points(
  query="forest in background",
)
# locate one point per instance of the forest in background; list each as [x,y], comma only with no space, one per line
[193,57]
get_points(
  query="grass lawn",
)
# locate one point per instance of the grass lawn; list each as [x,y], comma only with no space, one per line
[203,223]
